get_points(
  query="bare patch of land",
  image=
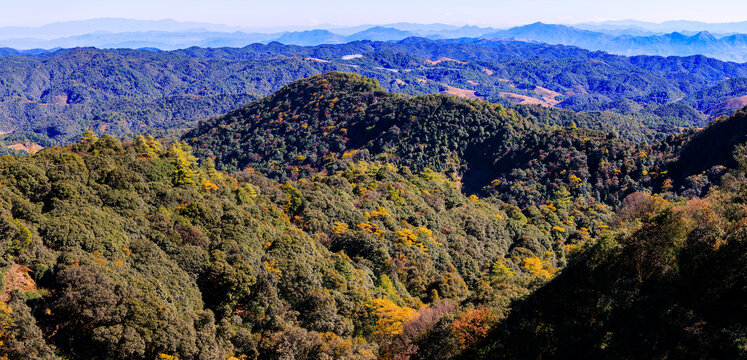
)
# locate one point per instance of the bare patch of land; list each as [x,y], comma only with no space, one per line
[523,99]
[17,277]
[436,62]
[462,93]
[28,147]
[548,95]
[730,104]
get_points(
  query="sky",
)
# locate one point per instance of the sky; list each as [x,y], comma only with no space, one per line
[269,13]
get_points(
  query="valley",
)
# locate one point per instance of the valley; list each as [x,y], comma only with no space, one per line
[181,190]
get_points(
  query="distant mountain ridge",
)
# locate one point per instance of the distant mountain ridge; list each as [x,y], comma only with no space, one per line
[113,25]
[666,27]
[726,42]
[188,37]
[53,97]
[729,48]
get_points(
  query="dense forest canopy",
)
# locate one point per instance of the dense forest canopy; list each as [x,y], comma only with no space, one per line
[520,155]
[136,250]
[334,219]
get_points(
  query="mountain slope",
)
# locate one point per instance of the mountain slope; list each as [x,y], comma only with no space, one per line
[669,283]
[710,149]
[134,251]
[323,122]
[351,245]
[709,99]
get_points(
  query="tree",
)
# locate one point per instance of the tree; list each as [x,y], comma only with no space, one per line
[389,316]
[472,326]
[89,137]
[6,322]
[147,146]
[499,272]
[296,202]
[181,154]
[562,198]
[536,267]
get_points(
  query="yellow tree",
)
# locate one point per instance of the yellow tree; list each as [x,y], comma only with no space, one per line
[389,316]
[181,153]
[89,137]
[6,321]
[536,267]
[147,146]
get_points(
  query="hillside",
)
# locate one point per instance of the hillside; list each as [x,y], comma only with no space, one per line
[58,96]
[91,86]
[135,251]
[720,139]
[709,100]
[51,124]
[318,124]
[669,283]
[333,219]
[666,282]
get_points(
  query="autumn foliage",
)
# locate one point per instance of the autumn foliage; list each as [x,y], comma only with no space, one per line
[472,326]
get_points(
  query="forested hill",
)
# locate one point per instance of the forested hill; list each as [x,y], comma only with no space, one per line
[51,98]
[324,122]
[330,220]
[314,122]
[135,251]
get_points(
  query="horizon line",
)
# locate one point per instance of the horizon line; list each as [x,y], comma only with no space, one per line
[373,24]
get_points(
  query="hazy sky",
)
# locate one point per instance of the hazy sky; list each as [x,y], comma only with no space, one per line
[353,12]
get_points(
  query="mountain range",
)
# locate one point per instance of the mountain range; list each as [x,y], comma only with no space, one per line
[50,98]
[393,192]
[722,41]
[729,47]
[184,38]
[683,26]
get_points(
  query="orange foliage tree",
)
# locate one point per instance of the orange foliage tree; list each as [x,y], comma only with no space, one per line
[473,326]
